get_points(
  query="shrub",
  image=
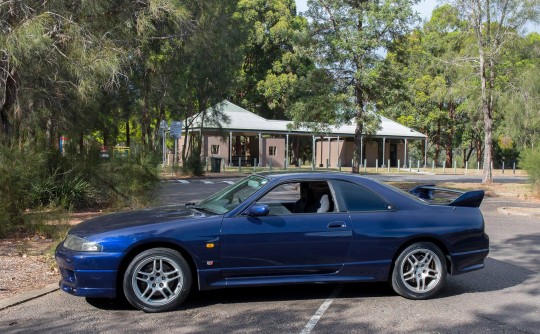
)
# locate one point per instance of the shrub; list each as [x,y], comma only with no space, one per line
[530,161]
[18,170]
[32,181]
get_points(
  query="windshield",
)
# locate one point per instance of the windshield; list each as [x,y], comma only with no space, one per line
[230,197]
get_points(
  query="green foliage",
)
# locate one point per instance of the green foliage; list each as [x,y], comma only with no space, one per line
[271,64]
[530,161]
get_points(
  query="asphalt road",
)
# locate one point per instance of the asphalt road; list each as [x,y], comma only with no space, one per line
[504,297]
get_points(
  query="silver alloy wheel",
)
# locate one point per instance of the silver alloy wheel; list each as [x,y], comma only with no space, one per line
[420,270]
[157,280]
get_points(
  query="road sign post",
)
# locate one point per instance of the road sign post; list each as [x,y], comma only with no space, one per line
[176,133]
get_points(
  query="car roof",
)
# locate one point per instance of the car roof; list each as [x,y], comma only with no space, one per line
[311,175]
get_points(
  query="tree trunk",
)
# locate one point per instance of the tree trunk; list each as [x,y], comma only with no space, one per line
[487,176]
[145,114]
[359,128]
[438,142]
[450,136]
[128,134]
[9,97]
[81,142]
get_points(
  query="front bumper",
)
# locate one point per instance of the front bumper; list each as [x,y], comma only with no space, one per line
[88,274]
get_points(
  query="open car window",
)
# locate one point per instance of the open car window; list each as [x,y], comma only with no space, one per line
[298,198]
[230,197]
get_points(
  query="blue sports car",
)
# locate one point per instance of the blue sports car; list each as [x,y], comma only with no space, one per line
[271,229]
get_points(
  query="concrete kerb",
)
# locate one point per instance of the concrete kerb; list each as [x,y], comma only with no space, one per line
[27,296]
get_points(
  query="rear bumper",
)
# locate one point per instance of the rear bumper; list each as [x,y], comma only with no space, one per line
[469,261]
[88,274]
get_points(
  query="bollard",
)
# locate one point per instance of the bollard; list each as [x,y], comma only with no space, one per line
[398,165]
[239,164]
[503,167]
[433,166]
[270,163]
[410,165]
[255,165]
[478,167]
[444,167]
[313,164]
[376,165]
[455,167]
[327,164]
[514,168]
[388,165]
[285,163]
[418,166]
[339,164]
[365,165]
[466,167]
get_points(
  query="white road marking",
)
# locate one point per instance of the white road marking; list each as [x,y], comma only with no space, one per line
[182,181]
[228,182]
[207,182]
[320,312]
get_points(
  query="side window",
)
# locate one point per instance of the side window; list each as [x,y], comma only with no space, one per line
[358,198]
[299,197]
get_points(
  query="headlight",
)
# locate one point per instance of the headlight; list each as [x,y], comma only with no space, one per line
[80,244]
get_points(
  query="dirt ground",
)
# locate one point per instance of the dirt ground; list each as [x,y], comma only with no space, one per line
[26,265]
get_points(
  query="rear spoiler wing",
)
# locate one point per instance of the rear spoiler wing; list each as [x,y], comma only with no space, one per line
[464,198]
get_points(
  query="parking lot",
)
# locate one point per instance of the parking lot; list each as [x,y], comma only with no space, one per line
[504,297]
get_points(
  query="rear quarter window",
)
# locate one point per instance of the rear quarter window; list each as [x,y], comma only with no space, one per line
[358,198]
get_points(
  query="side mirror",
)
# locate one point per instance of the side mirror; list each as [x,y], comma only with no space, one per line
[258,210]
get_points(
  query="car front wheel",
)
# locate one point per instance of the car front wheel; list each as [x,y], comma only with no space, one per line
[157,280]
[419,271]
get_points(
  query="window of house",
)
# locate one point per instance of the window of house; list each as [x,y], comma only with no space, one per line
[214,149]
[272,150]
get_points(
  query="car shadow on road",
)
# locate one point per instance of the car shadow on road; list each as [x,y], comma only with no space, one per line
[497,275]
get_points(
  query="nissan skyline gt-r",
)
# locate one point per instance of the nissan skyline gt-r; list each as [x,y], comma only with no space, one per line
[270,229]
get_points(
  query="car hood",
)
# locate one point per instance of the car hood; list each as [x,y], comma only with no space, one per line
[128,219]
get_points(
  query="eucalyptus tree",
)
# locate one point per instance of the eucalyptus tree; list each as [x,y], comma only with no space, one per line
[348,41]
[521,98]
[435,92]
[271,64]
[493,23]
[210,60]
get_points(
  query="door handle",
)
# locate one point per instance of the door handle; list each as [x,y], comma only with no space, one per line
[337,225]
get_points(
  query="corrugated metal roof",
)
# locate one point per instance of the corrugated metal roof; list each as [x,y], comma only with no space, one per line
[240,119]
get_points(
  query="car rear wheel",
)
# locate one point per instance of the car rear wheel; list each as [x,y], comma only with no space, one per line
[157,280]
[419,271]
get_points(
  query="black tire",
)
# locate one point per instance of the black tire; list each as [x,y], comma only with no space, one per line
[157,280]
[419,271]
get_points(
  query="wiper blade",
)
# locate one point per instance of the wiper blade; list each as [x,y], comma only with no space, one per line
[202,208]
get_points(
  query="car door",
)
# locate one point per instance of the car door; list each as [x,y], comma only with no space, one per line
[289,240]
[377,226]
